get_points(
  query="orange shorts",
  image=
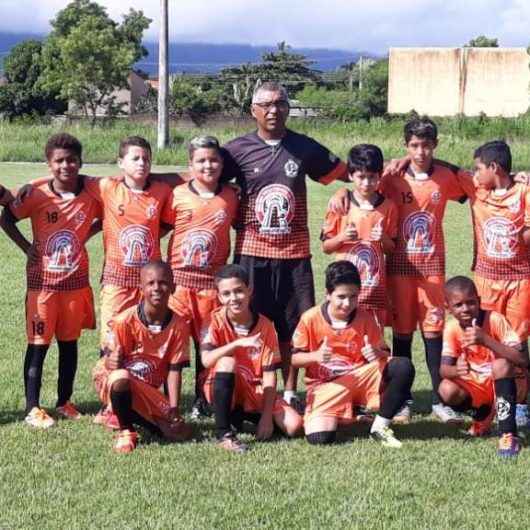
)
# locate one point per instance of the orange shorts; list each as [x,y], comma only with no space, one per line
[194,306]
[338,398]
[60,313]
[510,298]
[247,395]
[115,299]
[417,300]
[147,400]
[480,389]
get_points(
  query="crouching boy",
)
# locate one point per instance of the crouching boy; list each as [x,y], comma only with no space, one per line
[147,347]
[347,363]
[240,350]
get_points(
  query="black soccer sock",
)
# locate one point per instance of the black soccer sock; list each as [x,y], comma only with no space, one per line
[398,376]
[322,438]
[223,391]
[35,355]
[67,370]
[121,401]
[199,368]
[505,390]
[433,356]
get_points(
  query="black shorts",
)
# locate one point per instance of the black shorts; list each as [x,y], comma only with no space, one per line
[283,290]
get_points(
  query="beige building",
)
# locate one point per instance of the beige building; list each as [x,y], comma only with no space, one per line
[450,81]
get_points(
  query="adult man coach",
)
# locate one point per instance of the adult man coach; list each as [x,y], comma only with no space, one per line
[272,236]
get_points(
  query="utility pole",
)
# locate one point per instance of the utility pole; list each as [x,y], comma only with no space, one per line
[361,73]
[163,83]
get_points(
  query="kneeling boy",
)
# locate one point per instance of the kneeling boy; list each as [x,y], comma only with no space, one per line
[147,347]
[480,354]
[347,363]
[240,350]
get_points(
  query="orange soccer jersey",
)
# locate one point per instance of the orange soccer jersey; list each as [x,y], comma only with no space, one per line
[60,226]
[346,343]
[420,249]
[366,254]
[200,243]
[131,227]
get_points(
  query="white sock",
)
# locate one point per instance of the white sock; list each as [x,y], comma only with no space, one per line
[288,395]
[379,423]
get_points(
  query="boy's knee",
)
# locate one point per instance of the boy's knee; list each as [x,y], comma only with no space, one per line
[119,380]
[401,368]
[446,390]
[321,438]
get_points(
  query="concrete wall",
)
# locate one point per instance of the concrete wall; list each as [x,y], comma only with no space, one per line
[449,81]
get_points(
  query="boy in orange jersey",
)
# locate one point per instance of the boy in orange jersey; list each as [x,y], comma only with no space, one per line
[61,213]
[241,352]
[367,232]
[200,212]
[347,363]
[480,354]
[147,346]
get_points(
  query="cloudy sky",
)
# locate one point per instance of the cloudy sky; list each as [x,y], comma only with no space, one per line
[371,25]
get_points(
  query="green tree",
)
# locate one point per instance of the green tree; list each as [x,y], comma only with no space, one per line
[482,42]
[22,94]
[88,56]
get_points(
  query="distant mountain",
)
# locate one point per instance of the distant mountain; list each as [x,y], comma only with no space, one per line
[210,58]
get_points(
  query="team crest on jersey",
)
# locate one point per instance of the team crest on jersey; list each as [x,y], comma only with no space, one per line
[333,369]
[142,369]
[435,315]
[80,217]
[514,206]
[436,197]
[275,206]
[137,245]
[63,251]
[220,217]
[291,168]
[198,248]
[366,259]
[150,211]
[418,232]
[500,238]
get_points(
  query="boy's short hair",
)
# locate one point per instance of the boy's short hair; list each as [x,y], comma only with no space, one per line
[496,151]
[133,141]
[341,272]
[158,265]
[422,127]
[232,270]
[365,157]
[460,283]
[63,141]
[203,142]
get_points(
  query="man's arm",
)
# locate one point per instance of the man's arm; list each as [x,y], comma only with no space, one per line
[171,179]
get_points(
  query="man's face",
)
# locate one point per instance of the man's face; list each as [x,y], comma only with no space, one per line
[64,165]
[271,110]
[136,164]
[464,305]
[343,301]
[485,174]
[235,295]
[421,152]
[156,284]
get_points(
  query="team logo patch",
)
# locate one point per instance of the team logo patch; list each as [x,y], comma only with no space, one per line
[137,245]
[291,168]
[63,251]
[435,315]
[220,217]
[333,369]
[514,206]
[500,238]
[142,369]
[418,232]
[275,207]
[366,259]
[436,197]
[198,248]
[80,217]
[503,409]
[150,211]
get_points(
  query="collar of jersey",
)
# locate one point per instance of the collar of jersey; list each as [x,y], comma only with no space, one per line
[194,190]
[80,186]
[143,319]
[380,199]
[327,318]
[410,173]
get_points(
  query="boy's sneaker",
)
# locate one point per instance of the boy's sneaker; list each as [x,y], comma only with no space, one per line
[446,414]
[125,441]
[521,415]
[39,418]
[509,446]
[386,437]
[107,418]
[403,415]
[230,442]
[68,411]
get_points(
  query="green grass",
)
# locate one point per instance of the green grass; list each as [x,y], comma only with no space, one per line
[68,477]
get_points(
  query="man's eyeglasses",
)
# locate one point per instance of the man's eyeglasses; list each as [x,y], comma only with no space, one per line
[280,104]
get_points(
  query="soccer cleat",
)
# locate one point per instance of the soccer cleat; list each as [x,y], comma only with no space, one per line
[403,415]
[68,411]
[446,414]
[39,419]
[107,418]
[230,442]
[386,437]
[125,441]
[521,415]
[509,446]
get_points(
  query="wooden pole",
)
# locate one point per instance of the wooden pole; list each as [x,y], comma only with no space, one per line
[163,82]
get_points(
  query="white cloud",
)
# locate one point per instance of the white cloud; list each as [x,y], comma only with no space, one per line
[348,24]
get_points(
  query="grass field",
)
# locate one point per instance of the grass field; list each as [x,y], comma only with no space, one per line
[68,477]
